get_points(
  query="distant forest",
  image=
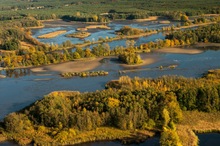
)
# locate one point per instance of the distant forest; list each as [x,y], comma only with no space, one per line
[98,9]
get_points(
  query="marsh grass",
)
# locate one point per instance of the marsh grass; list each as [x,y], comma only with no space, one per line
[197,122]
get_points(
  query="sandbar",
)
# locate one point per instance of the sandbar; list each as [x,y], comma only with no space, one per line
[71,66]
[2,76]
[52,34]
[93,27]
[175,50]
[152,18]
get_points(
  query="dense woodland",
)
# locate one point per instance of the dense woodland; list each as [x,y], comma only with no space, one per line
[103,10]
[127,104]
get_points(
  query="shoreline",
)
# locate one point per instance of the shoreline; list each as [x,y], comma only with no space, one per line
[203,45]
[106,134]
[194,25]
[174,50]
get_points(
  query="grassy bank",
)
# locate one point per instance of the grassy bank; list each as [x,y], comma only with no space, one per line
[197,122]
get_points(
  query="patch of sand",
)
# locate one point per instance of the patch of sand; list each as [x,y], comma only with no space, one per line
[93,27]
[164,22]
[2,76]
[179,50]
[72,66]
[152,18]
[97,26]
[52,34]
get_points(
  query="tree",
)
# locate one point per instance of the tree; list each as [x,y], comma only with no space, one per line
[169,138]
[76,55]
[184,18]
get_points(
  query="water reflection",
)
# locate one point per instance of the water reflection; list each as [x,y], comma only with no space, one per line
[16,73]
[154,141]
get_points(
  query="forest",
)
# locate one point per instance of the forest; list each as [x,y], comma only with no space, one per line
[103,10]
[126,104]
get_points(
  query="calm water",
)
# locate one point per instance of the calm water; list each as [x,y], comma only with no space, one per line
[97,33]
[154,141]
[209,139]
[24,87]
[18,92]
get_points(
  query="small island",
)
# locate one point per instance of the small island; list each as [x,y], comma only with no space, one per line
[84,74]
[93,27]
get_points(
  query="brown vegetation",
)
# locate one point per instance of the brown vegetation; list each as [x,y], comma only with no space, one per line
[197,122]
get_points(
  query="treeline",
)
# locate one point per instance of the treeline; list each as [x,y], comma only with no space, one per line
[12,33]
[105,10]
[192,94]
[127,104]
[210,33]
[48,54]
[86,18]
